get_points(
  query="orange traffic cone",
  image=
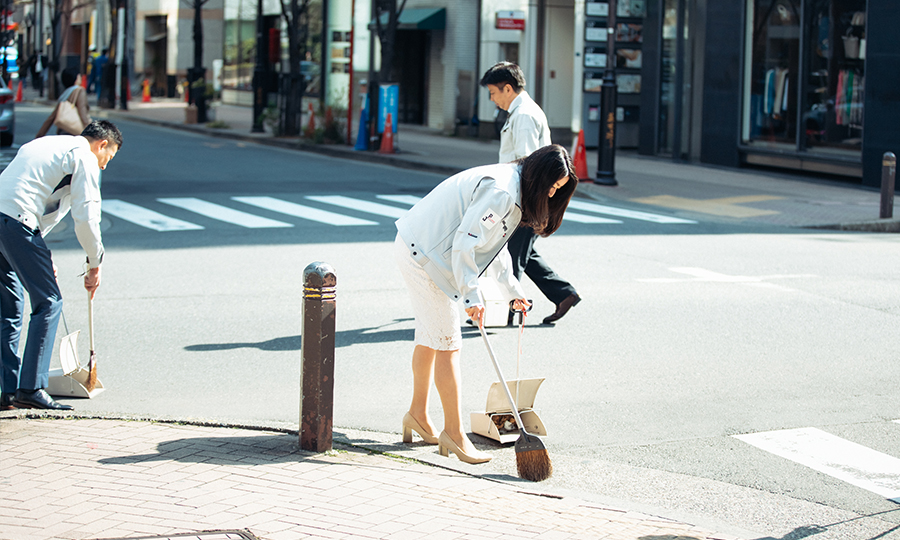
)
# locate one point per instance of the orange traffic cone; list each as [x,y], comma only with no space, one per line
[84,81]
[580,159]
[146,98]
[19,92]
[387,139]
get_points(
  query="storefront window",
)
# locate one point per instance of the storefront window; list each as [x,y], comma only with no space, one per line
[770,72]
[804,75]
[836,41]
[675,96]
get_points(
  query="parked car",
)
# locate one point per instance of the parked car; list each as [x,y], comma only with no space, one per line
[7,114]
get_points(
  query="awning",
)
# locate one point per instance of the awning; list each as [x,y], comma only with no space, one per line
[417,19]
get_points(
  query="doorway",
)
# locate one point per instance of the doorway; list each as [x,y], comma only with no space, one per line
[411,72]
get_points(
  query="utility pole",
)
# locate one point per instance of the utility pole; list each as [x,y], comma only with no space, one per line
[259,94]
[606,150]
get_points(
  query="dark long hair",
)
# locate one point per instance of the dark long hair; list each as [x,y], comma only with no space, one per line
[539,171]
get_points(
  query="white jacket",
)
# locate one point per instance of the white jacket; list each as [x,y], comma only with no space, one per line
[462,225]
[525,130]
[48,177]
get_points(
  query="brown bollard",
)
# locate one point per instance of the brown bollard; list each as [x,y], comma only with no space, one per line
[317,358]
[888,170]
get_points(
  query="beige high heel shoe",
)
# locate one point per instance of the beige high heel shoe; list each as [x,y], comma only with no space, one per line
[410,424]
[446,445]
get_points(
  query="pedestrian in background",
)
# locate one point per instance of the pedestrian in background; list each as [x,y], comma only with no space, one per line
[48,177]
[74,94]
[525,131]
[97,70]
[443,244]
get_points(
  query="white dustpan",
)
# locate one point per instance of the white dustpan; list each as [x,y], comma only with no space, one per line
[71,378]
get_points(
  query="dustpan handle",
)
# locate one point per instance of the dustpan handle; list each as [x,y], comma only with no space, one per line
[512,404]
[91,319]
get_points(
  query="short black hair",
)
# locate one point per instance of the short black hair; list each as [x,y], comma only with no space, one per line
[503,73]
[69,76]
[103,130]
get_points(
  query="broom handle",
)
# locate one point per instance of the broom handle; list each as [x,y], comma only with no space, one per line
[91,319]
[512,404]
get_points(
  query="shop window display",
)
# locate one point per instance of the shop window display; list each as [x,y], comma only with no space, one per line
[771,72]
[818,109]
[835,87]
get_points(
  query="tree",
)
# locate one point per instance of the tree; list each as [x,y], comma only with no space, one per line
[387,37]
[296,18]
[60,22]
[387,34]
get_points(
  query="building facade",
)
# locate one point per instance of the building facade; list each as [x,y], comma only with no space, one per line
[810,84]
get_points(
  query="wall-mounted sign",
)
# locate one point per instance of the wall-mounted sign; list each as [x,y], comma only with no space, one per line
[595,31]
[597,9]
[511,20]
[594,57]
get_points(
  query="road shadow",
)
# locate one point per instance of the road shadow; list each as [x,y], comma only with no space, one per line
[343,338]
[807,531]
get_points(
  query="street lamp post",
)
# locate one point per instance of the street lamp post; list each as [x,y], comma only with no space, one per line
[606,151]
[259,93]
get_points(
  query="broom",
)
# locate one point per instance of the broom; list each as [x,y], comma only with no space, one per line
[92,360]
[532,460]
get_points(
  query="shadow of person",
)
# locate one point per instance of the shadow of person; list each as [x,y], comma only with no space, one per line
[344,338]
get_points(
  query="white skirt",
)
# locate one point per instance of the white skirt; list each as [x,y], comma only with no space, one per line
[437,316]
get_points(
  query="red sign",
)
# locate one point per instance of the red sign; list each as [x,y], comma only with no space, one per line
[511,20]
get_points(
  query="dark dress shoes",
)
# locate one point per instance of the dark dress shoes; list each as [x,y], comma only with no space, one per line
[562,308]
[37,399]
[6,401]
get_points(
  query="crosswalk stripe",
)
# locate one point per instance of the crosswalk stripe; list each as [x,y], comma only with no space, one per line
[304,212]
[582,218]
[621,212]
[360,205]
[402,199]
[568,216]
[159,222]
[845,460]
[223,213]
[145,217]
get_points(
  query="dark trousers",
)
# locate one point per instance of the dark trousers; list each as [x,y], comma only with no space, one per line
[25,265]
[524,257]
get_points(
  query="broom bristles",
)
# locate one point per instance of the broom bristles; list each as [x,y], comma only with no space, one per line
[92,373]
[534,465]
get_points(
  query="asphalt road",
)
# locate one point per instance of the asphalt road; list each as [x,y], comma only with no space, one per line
[690,335]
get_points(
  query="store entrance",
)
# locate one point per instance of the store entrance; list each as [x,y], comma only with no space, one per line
[411,71]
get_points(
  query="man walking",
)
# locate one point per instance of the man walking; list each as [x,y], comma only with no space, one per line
[48,177]
[525,131]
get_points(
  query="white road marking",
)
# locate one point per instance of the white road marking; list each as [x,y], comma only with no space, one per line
[145,217]
[703,275]
[845,460]
[582,218]
[360,205]
[568,216]
[304,212]
[621,212]
[402,199]
[223,213]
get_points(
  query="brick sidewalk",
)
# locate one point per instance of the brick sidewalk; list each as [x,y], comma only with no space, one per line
[71,478]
